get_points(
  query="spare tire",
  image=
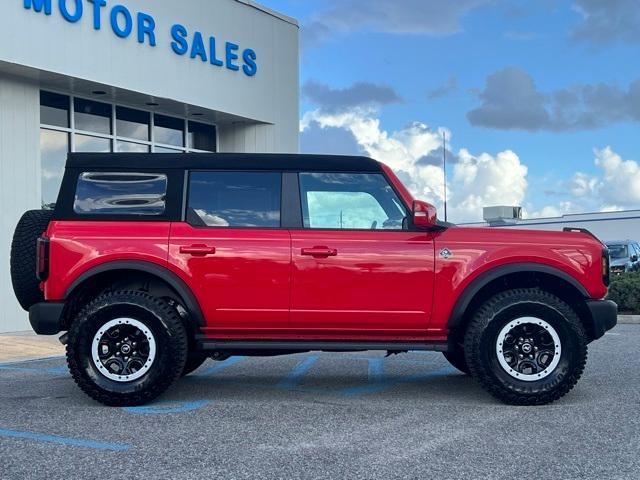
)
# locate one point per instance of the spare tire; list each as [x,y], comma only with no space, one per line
[26,285]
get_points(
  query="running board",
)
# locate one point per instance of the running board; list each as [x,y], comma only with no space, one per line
[332,346]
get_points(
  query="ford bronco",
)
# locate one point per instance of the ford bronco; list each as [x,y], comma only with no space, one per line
[153,263]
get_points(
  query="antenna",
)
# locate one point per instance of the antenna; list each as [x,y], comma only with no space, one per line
[444,162]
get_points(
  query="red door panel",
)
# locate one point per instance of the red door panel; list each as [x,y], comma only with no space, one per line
[239,276]
[360,282]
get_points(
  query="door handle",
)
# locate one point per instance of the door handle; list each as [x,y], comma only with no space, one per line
[319,252]
[198,250]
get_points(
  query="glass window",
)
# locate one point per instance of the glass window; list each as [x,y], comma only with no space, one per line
[54,109]
[167,150]
[131,147]
[121,194]
[202,137]
[234,199]
[89,144]
[618,251]
[92,116]
[54,147]
[350,201]
[132,123]
[168,130]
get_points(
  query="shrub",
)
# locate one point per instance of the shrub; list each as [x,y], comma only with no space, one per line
[625,291]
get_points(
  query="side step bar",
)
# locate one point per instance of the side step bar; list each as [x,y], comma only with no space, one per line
[332,346]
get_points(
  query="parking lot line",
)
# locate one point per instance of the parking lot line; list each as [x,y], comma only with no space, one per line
[220,366]
[68,441]
[292,378]
[164,408]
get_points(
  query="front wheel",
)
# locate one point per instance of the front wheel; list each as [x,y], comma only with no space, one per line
[126,348]
[526,347]
[194,361]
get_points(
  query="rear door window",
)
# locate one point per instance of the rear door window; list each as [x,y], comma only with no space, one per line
[235,199]
[114,193]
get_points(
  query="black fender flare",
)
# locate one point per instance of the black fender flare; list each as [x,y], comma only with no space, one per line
[464,300]
[164,274]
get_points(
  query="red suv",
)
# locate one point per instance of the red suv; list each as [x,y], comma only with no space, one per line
[153,263]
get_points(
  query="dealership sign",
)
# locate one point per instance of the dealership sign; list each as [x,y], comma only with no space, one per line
[125,23]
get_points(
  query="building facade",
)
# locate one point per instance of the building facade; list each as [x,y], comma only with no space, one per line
[134,76]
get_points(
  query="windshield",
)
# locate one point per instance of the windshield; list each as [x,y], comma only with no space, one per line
[618,251]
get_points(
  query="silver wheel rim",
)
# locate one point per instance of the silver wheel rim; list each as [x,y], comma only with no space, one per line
[528,349]
[123,350]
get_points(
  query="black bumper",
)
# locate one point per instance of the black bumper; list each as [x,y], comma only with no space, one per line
[604,316]
[45,318]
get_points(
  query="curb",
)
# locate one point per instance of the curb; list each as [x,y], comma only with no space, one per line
[629,319]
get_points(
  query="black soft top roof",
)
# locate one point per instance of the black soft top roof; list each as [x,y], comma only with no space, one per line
[222,161]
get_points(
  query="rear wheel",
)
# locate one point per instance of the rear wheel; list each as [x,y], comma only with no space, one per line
[126,348]
[526,347]
[458,360]
[23,257]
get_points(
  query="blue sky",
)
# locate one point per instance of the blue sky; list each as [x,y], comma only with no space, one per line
[538,97]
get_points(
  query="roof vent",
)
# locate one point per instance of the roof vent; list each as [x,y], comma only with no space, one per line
[502,215]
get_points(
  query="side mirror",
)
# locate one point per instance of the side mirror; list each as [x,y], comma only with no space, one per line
[634,258]
[424,215]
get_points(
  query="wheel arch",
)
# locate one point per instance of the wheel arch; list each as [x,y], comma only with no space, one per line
[517,275]
[137,271]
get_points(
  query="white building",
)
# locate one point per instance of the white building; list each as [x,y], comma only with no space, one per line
[129,76]
[623,225]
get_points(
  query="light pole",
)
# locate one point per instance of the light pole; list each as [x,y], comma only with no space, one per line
[444,162]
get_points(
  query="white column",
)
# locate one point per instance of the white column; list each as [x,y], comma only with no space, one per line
[20,185]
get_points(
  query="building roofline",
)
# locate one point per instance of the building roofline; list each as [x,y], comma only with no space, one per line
[611,215]
[268,11]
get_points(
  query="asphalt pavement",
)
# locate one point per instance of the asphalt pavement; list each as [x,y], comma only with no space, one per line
[325,416]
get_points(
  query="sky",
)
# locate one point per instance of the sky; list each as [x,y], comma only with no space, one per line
[539,100]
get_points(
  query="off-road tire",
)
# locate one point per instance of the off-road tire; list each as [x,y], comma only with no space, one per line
[493,315]
[171,347]
[23,257]
[194,361]
[458,360]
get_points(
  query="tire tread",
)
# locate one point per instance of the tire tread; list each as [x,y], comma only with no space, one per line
[179,347]
[488,311]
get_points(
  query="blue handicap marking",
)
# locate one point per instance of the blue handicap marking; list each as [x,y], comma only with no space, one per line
[376,370]
[63,370]
[294,376]
[166,408]
[220,366]
[377,379]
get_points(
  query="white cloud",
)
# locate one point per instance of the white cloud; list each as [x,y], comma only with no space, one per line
[486,180]
[616,187]
[620,182]
[549,211]
[582,185]
[477,181]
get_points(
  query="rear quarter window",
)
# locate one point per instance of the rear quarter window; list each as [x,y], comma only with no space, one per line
[235,199]
[114,193]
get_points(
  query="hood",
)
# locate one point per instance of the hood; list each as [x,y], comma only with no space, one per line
[619,262]
[532,237]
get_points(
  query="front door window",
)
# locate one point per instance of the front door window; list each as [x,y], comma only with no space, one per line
[350,201]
